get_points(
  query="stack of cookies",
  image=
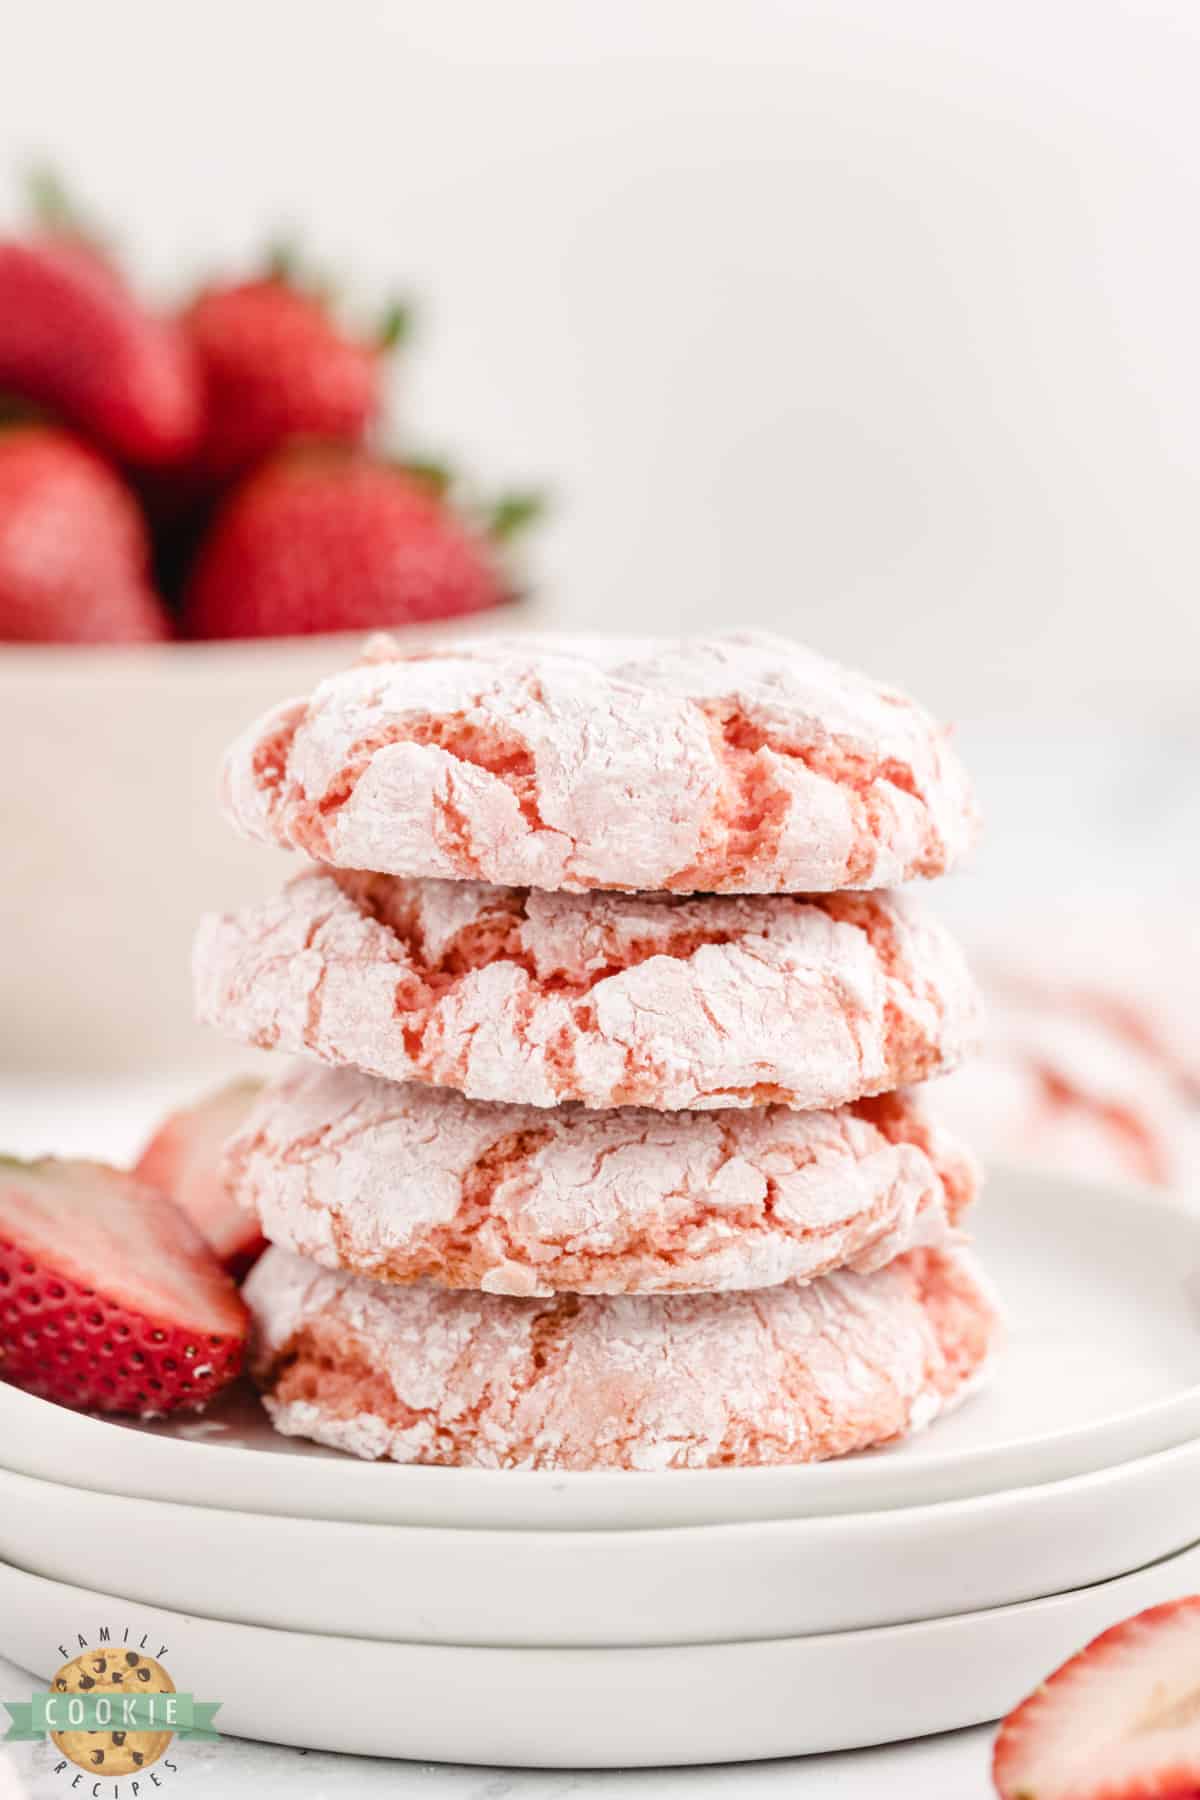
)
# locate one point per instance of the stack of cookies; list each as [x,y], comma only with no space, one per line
[605,1154]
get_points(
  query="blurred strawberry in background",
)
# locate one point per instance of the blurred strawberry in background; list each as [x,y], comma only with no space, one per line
[214,459]
[76,340]
[325,540]
[74,549]
[276,366]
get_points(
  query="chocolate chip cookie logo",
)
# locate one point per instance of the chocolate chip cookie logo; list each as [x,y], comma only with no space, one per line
[113,1711]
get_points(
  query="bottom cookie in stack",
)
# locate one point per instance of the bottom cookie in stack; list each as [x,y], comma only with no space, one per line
[510,1287]
[788,1374]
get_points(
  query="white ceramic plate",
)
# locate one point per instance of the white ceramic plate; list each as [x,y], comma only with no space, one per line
[698,1584]
[1103,1365]
[574,1709]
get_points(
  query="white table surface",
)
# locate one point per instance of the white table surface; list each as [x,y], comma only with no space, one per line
[111,1119]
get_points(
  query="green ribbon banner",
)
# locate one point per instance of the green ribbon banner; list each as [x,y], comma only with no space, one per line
[109,1711]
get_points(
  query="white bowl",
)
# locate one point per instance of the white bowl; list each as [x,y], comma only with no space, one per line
[112,840]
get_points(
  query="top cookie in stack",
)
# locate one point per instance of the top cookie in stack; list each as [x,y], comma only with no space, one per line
[733,765]
[590,874]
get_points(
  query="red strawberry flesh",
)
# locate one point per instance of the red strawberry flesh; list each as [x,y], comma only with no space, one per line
[109,1297]
[184,1161]
[1119,1721]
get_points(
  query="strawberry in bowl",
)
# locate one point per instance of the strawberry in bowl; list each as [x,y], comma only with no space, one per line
[74,548]
[76,340]
[326,540]
[194,493]
[276,367]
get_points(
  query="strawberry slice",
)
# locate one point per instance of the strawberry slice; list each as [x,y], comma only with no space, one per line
[183,1159]
[110,1299]
[1119,1721]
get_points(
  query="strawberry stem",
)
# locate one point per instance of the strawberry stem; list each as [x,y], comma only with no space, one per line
[282,260]
[511,514]
[54,207]
[433,474]
[396,326]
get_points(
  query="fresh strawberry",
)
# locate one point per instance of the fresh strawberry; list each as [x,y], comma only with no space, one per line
[74,338]
[74,553]
[337,541]
[1119,1721]
[276,366]
[183,1160]
[109,1297]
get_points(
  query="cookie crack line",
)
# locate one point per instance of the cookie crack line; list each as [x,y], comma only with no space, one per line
[608,1000]
[738,764]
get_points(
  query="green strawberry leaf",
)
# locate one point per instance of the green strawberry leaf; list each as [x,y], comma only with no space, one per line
[512,514]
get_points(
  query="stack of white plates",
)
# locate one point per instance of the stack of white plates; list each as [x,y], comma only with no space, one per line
[621,1618]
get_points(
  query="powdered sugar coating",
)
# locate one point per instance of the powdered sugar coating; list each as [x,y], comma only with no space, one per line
[405,1183]
[736,764]
[791,1374]
[608,999]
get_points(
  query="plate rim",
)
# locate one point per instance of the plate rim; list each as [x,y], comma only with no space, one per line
[536,1707]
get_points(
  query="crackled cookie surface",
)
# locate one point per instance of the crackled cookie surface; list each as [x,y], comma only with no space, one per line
[608,999]
[404,1183]
[792,1374]
[739,764]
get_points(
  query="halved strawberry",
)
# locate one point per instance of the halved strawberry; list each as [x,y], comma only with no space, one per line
[183,1159]
[110,1299]
[1119,1721]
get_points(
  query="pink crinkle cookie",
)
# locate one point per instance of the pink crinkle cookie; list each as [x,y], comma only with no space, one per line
[609,999]
[1070,1090]
[406,1183]
[1130,966]
[739,764]
[793,1374]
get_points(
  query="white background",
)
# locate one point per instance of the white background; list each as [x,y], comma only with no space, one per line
[874,322]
